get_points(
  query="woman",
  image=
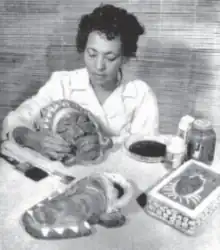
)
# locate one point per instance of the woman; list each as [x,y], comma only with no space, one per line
[108,38]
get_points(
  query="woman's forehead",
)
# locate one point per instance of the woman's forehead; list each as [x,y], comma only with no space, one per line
[99,42]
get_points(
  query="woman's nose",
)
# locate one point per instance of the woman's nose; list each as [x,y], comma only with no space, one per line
[100,63]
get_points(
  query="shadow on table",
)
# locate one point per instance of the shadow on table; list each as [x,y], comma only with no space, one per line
[139,201]
[142,200]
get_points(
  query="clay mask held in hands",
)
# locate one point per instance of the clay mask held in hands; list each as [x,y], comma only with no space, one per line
[76,126]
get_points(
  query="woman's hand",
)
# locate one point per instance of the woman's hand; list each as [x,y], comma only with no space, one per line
[47,143]
[54,146]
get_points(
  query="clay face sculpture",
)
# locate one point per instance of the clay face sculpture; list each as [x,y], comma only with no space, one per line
[73,213]
[78,127]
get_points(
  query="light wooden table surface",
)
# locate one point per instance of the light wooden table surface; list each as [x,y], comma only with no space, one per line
[18,193]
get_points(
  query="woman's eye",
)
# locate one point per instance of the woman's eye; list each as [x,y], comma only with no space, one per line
[92,55]
[111,59]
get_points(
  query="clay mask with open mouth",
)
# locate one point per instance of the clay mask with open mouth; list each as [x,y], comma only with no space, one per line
[79,128]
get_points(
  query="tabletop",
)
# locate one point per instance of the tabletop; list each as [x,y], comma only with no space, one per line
[141,231]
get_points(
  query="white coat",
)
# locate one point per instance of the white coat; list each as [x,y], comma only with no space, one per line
[131,108]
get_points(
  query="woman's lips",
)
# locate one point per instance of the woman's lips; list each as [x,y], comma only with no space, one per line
[98,75]
[99,78]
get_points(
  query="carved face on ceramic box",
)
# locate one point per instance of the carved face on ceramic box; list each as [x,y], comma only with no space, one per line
[186,198]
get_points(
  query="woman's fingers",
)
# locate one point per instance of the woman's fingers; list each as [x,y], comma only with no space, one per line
[69,160]
[57,148]
[52,154]
[57,144]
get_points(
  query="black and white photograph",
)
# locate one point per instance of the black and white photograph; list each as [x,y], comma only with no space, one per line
[110,124]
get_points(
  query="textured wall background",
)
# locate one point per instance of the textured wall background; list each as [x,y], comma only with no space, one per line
[179,56]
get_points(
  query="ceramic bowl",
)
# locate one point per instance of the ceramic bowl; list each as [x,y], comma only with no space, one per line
[149,140]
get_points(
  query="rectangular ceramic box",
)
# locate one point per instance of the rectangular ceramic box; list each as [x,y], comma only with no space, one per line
[186,198]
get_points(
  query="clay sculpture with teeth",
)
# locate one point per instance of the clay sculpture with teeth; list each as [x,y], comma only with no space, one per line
[95,199]
[78,127]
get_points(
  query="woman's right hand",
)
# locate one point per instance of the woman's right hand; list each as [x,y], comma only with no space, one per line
[54,146]
[47,143]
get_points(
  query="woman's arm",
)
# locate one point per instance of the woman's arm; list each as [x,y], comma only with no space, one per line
[29,138]
[26,113]
[48,144]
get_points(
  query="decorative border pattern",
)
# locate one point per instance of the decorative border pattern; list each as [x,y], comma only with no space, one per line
[177,219]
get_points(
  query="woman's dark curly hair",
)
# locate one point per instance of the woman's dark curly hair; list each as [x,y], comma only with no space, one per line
[111,21]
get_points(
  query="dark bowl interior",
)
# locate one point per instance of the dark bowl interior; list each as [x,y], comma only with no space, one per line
[148,148]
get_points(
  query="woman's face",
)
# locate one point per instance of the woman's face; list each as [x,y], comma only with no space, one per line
[103,58]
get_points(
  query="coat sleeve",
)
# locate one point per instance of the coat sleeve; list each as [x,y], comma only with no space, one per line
[26,113]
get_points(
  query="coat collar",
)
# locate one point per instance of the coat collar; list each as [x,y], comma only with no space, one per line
[128,89]
[82,78]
